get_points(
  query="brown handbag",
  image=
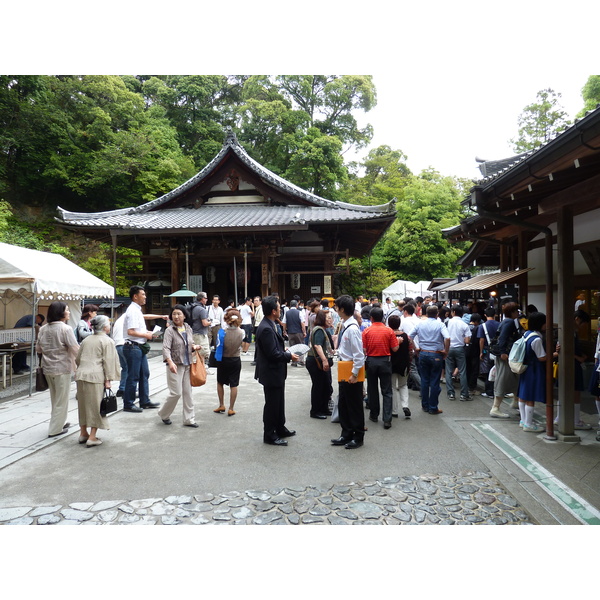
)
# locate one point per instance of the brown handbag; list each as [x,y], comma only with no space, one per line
[41,383]
[198,371]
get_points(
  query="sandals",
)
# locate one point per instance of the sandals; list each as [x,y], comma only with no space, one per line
[230,413]
[221,409]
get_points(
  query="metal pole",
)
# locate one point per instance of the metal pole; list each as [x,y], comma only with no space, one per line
[245,272]
[235,281]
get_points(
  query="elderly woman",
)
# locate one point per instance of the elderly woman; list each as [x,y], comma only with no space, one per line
[178,354]
[230,365]
[58,348]
[97,365]
[84,328]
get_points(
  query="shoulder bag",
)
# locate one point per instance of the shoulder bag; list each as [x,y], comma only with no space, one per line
[198,371]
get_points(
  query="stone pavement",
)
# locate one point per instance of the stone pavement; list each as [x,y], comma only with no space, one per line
[461,467]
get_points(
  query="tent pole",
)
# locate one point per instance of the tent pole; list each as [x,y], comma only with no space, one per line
[32,350]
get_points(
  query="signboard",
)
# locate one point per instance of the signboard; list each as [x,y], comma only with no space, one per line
[295,281]
[327,284]
[315,289]
[196,283]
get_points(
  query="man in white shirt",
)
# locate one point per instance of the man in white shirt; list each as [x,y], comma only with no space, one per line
[460,337]
[215,316]
[119,340]
[136,335]
[247,314]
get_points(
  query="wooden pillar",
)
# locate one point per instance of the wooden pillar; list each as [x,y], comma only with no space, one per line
[175,283]
[264,272]
[566,324]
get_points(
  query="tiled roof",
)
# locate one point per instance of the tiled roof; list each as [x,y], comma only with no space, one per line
[231,144]
[232,216]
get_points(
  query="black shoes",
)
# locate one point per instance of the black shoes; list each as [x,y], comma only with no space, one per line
[133,409]
[374,419]
[353,444]
[167,421]
[276,442]
[466,398]
[287,433]
[150,405]
[318,416]
[341,441]
[451,397]
[191,425]
[119,393]
[65,430]
[387,424]
[437,411]
[406,413]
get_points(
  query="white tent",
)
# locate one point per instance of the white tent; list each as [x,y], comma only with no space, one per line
[401,289]
[30,280]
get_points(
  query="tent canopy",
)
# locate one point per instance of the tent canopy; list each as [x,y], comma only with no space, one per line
[401,289]
[25,273]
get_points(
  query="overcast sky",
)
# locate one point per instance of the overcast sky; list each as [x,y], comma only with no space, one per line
[452,77]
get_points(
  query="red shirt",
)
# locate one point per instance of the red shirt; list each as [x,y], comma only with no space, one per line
[378,340]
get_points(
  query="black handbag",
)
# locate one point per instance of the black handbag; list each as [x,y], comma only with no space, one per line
[41,383]
[109,402]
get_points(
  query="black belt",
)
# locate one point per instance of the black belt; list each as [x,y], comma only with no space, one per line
[130,343]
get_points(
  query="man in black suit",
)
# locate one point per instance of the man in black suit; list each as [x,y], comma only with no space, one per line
[271,372]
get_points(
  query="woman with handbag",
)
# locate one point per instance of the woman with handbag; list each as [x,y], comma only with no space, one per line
[178,354]
[97,366]
[318,365]
[229,363]
[57,344]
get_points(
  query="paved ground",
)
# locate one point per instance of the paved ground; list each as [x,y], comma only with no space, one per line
[460,467]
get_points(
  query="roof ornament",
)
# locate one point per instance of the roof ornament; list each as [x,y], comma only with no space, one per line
[230,138]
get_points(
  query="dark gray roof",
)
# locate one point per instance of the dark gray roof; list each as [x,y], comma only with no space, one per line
[230,216]
[120,216]
[490,167]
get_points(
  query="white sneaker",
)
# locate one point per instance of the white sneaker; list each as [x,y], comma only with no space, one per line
[582,425]
[533,429]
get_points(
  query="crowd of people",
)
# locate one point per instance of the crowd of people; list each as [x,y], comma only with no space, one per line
[382,350]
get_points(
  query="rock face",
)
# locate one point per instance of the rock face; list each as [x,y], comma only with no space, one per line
[447,499]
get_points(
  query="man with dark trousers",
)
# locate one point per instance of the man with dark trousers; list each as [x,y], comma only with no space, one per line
[350,404]
[271,372]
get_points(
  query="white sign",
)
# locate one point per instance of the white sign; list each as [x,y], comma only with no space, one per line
[315,289]
[196,283]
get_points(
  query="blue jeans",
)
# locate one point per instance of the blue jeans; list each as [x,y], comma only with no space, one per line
[430,365]
[138,373]
[456,359]
[123,362]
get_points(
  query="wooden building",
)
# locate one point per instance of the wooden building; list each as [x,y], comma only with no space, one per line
[237,229]
[536,216]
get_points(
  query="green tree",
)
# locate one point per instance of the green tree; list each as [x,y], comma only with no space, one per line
[363,279]
[591,95]
[540,121]
[414,247]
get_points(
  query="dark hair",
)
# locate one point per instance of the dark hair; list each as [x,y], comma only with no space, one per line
[582,316]
[409,308]
[377,314]
[531,308]
[536,321]
[345,304]
[269,304]
[432,311]
[458,310]
[321,318]
[56,311]
[134,290]
[365,312]
[325,303]
[42,317]
[476,317]
[87,309]
[180,307]
[490,312]
[509,308]
[394,321]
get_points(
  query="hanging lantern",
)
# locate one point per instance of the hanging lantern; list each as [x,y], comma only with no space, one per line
[211,274]
[295,281]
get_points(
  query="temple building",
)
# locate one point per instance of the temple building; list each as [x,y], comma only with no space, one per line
[237,229]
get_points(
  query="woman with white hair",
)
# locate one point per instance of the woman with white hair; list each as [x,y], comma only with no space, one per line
[97,366]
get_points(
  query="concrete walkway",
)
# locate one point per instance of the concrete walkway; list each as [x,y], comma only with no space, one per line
[141,459]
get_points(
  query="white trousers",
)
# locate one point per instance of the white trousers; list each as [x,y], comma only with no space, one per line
[60,387]
[179,387]
[399,392]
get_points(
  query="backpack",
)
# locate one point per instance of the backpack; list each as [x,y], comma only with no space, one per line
[518,352]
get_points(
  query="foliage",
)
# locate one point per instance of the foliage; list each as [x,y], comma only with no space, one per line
[590,94]
[540,121]
[363,279]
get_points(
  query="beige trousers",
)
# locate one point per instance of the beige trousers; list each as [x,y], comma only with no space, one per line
[59,386]
[399,391]
[179,387]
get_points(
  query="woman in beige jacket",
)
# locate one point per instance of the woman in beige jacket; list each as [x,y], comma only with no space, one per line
[97,366]
[178,347]
[57,344]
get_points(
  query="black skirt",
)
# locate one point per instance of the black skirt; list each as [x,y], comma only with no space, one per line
[228,371]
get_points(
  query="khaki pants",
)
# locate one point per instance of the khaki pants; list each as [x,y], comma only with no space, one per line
[202,340]
[179,387]
[59,386]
